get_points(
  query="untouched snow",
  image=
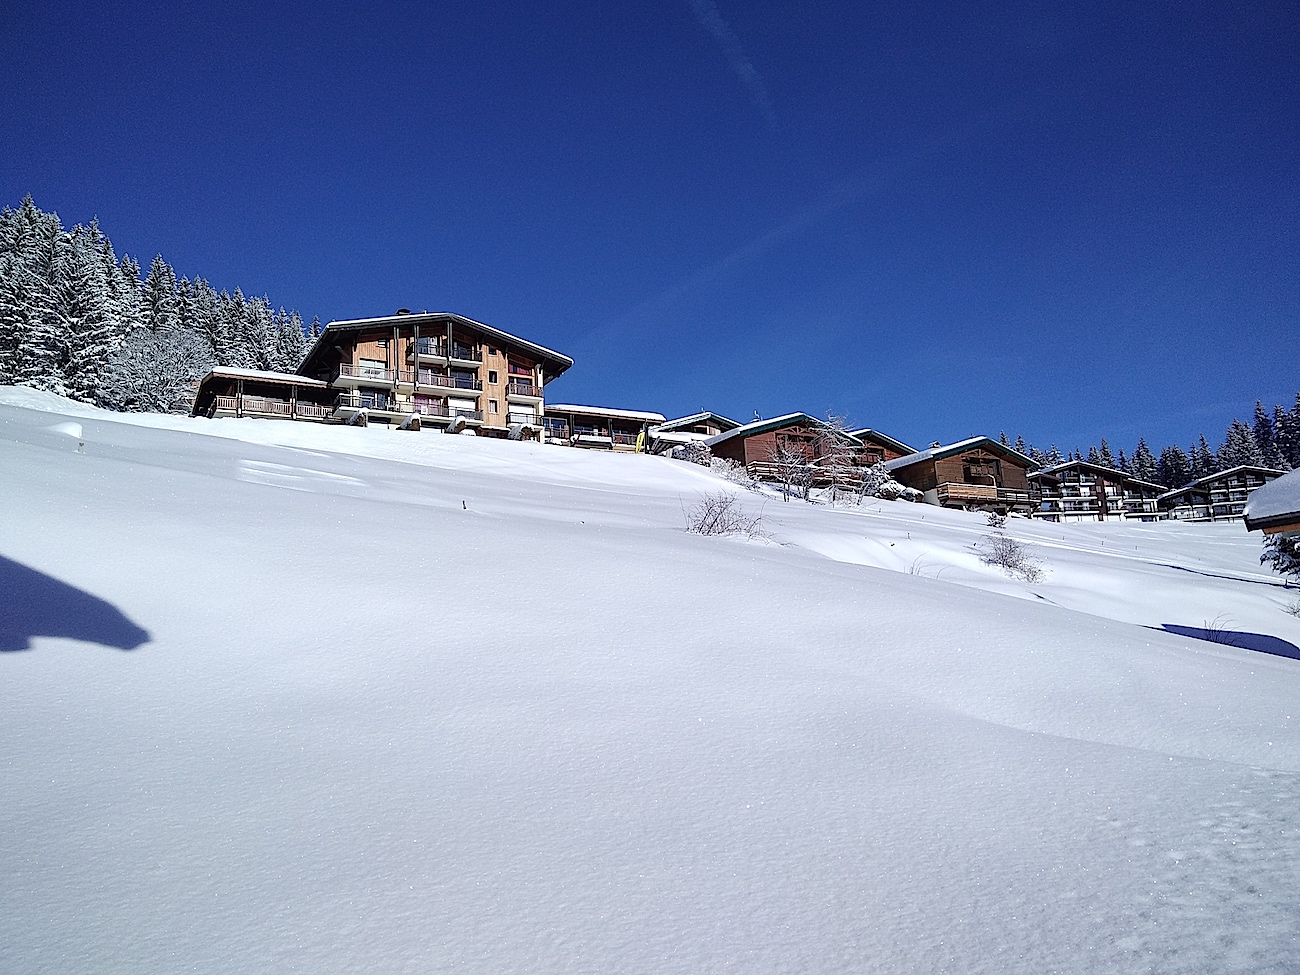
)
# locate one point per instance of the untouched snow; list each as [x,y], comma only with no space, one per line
[415,703]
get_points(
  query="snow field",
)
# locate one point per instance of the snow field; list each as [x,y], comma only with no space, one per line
[420,703]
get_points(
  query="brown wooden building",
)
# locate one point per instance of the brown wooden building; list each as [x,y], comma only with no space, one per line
[829,454]
[1274,508]
[408,370]
[696,428]
[974,474]
[227,391]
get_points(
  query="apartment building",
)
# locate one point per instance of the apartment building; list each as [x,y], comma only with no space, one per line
[1218,497]
[1079,491]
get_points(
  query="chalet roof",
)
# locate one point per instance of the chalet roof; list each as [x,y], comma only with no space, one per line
[557,361]
[938,453]
[1275,504]
[686,421]
[867,432]
[259,375]
[1204,481]
[604,411]
[776,423]
[1111,472]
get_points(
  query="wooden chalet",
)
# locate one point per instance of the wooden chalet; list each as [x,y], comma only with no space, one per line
[598,427]
[765,447]
[1079,491]
[1274,508]
[974,474]
[405,369]
[1217,497]
[696,428]
[227,391]
[878,448]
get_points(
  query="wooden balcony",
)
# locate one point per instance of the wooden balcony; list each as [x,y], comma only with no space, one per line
[268,406]
[958,493]
[350,375]
[429,378]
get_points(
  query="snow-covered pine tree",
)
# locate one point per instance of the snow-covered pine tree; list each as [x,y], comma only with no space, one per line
[1287,425]
[1094,456]
[1238,447]
[1203,463]
[1121,462]
[316,328]
[1173,469]
[84,303]
[161,308]
[43,339]
[1266,438]
[1143,464]
[1107,458]
[1054,456]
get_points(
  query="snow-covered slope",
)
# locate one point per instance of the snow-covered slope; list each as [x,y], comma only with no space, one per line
[406,702]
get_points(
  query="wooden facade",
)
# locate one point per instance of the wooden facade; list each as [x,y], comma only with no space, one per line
[1218,497]
[767,448]
[696,428]
[597,427]
[438,370]
[975,474]
[228,391]
[1079,491]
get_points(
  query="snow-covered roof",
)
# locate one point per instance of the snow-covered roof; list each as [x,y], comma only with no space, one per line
[898,445]
[557,358]
[230,372]
[1100,468]
[1202,481]
[762,426]
[939,452]
[604,411]
[685,421]
[1276,503]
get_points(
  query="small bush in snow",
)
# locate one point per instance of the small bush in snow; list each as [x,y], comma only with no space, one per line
[694,453]
[1011,557]
[879,483]
[1293,608]
[997,520]
[721,514]
[733,472]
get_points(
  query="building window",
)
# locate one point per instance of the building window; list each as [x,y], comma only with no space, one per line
[492,406]
[492,376]
[382,343]
[491,351]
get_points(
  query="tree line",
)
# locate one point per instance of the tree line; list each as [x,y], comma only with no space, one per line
[1273,440]
[78,321]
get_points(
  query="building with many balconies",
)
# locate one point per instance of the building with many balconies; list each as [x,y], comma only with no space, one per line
[1077,490]
[1217,497]
[404,369]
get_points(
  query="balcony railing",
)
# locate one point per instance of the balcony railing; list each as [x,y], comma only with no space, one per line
[523,387]
[461,351]
[555,429]
[271,407]
[367,372]
[955,491]
[527,419]
[361,401]
[430,378]
[625,439]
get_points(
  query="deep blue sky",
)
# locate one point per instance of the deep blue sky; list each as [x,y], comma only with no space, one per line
[1068,220]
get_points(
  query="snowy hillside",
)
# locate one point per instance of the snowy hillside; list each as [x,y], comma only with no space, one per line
[308,699]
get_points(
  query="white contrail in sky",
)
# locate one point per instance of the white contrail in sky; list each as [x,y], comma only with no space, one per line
[706,12]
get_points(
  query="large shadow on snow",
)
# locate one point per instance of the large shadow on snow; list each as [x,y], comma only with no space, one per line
[34,604]
[1261,642]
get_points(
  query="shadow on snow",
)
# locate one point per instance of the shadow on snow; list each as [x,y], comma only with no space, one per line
[34,604]
[1261,642]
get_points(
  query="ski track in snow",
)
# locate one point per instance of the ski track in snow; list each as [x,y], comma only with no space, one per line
[416,703]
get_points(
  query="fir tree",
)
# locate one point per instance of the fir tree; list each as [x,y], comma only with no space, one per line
[1054,456]
[1203,463]
[1094,456]
[1239,447]
[1266,438]
[1173,469]
[1121,462]
[161,311]
[1143,463]
[1107,459]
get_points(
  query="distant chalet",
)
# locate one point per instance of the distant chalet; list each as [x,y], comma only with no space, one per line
[760,446]
[1078,490]
[1217,497]
[978,474]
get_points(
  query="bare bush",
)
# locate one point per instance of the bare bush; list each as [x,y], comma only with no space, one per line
[733,472]
[721,514]
[1011,557]
[1292,608]
[997,520]
[1218,630]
